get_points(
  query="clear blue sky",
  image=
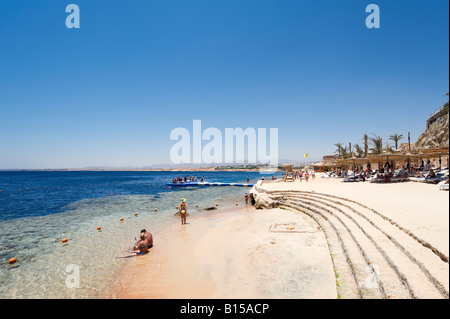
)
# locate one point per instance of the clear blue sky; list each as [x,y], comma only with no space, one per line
[110,92]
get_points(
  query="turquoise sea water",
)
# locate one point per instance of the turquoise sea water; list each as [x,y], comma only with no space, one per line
[72,205]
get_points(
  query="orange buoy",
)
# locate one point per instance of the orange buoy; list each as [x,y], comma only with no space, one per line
[156,209]
[28,189]
[99,228]
[176,207]
[196,205]
[217,204]
[170,187]
[20,190]
[135,214]
[12,260]
[121,219]
[64,240]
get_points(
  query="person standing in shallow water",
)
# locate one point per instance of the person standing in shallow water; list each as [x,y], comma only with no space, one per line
[183,210]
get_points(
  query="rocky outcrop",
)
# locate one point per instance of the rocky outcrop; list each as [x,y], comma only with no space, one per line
[260,198]
[437,132]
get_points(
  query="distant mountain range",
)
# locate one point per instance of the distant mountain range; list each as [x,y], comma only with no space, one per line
[172,167]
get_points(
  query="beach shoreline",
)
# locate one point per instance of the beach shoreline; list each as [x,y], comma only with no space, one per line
[232,254]
[237,254]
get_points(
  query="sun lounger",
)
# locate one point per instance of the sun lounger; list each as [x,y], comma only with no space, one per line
[399,179]
[377,179]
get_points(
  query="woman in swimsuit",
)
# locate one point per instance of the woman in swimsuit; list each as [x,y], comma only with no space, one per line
[183,210]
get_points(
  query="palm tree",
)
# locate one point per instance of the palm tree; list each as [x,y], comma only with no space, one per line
[346,152]
[377,143]
[339,149]
[396,137]
[359,150]
[366,145]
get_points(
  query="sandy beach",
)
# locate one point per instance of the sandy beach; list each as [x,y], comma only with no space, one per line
[239,253]
[394,246]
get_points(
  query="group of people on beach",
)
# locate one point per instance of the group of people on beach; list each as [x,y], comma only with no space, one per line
[185,179]
[303,174]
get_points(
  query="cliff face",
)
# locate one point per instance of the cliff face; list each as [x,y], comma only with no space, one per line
[437,132]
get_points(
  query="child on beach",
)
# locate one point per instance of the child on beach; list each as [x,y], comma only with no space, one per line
[246,198]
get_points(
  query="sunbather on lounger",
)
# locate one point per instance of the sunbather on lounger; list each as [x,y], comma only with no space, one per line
[418,174]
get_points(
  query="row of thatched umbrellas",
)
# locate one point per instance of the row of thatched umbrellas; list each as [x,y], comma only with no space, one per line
[390,156]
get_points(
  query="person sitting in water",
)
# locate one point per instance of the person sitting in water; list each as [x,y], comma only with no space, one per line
[141,245]
[148,236]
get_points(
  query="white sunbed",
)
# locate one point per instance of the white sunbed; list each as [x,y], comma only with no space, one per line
[443,186]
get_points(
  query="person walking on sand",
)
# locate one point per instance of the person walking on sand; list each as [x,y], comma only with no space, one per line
[306,176]
[183,210]
[246,198]
[313,174]
[300,175]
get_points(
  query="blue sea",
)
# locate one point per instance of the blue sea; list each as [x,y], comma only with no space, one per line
[39,209]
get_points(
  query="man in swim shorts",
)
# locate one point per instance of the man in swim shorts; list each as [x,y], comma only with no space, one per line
[148,237]
[141,245]
[183,210]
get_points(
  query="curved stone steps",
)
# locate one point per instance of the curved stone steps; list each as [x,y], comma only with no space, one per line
[375,248]
[427,245]
[403,259]
[372,282]
[433,267]
[346,282]
[387,258]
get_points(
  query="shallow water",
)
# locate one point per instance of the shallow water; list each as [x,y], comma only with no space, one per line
[75,213]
